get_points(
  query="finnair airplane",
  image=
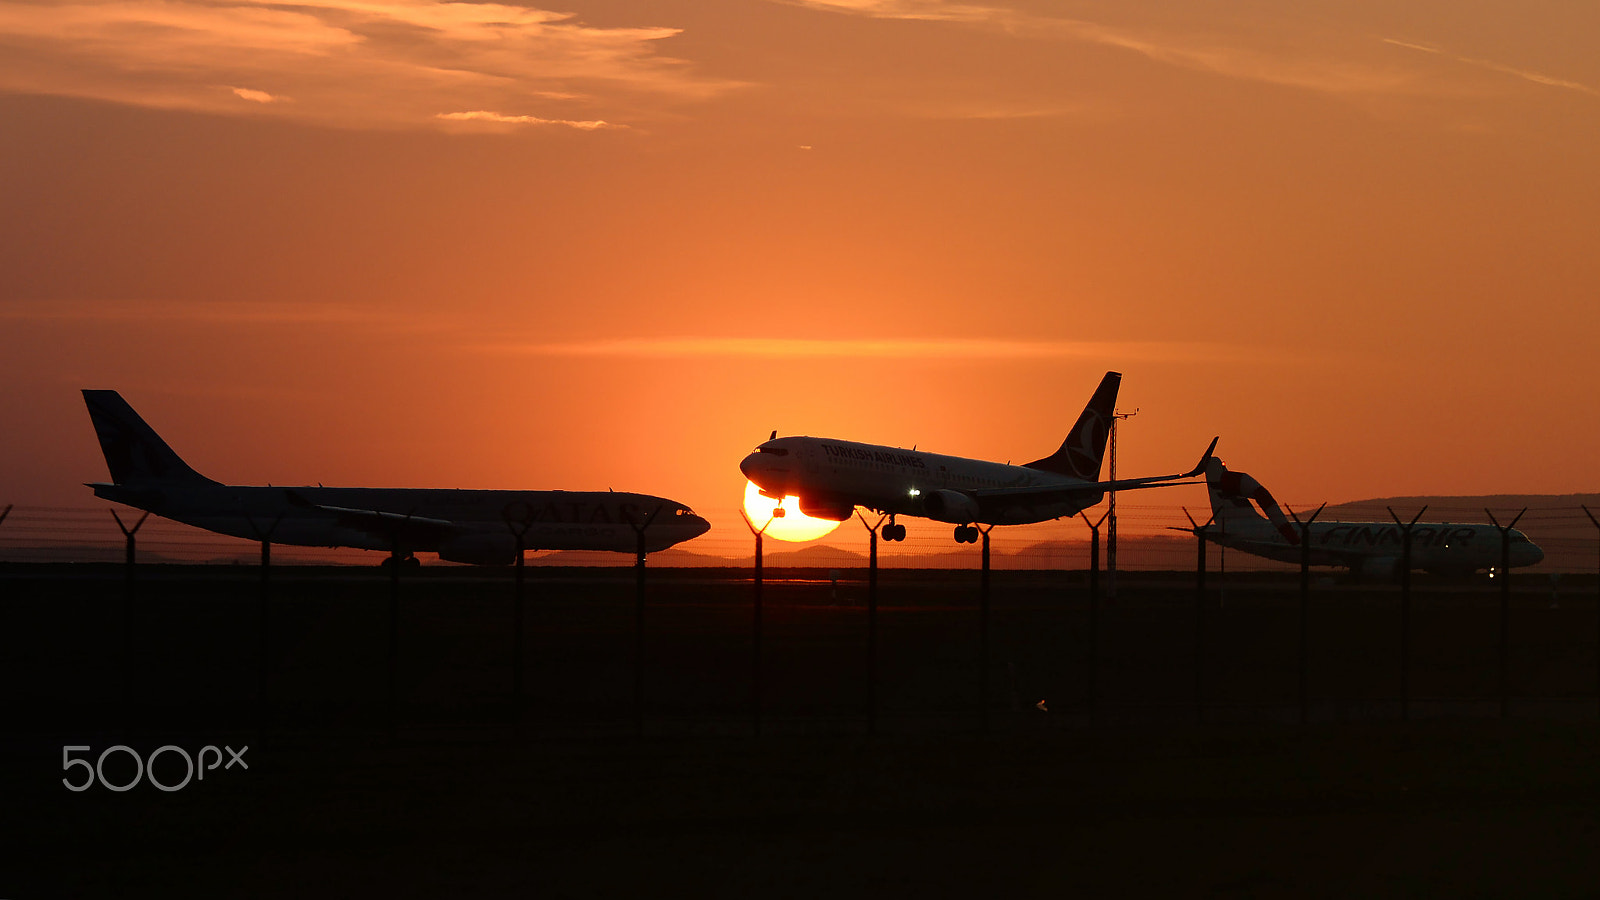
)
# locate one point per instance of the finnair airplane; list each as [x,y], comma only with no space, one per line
[465,526]
[1245,517]
[832,477]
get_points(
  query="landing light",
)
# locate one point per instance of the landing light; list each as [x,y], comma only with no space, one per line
[915,492]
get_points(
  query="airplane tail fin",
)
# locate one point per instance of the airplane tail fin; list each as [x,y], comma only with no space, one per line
[1085,445]
[1243,501]
[134,452]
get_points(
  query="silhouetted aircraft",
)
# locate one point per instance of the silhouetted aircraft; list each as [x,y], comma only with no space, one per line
[1246,517]
[832,477]
[466,526]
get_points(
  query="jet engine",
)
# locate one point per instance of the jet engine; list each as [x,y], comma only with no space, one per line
[950,506]
[818,508]
[480,549]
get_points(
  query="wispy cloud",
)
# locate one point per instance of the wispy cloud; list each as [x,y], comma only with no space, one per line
[1275,56]
[349,62]
[494,118]
[864,348]
[1524,74]
[256,96]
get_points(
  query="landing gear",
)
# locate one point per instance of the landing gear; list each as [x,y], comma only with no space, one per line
[893,532]
[406,563]
[966,534]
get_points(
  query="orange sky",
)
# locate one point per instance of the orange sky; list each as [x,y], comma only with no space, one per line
[614,245]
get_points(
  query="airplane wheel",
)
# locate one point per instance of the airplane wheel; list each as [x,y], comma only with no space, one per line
[894,532]
[411,562]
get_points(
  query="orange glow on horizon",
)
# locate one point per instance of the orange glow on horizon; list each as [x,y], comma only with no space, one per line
[793,525]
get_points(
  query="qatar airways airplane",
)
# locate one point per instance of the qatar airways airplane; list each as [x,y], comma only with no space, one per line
[832,477]
[1245,517]
[465,526]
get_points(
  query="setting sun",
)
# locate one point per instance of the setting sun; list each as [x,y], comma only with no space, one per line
[791,525]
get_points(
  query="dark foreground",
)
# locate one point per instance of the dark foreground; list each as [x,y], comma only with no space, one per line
[1174,765]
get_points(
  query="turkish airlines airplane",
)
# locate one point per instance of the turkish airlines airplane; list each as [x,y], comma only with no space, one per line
[465,526]
[832,477]
[1246,517]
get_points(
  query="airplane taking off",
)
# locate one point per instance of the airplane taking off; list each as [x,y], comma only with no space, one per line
[465,526]
[1245,517]
[832,477]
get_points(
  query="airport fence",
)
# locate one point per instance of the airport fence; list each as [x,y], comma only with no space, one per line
[1151,538]
[1234,638]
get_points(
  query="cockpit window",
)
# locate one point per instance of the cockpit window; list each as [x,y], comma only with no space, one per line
[683,511]
[775,451]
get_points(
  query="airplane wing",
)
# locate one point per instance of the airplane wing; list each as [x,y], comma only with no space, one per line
[404,527]
[1049,492]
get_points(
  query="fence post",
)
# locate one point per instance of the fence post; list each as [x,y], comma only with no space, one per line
[755,626]
[638,618]
[1505,609]
[1405,609]
[872,620]
[1199,615]
[130,540]
[983,630]
[1305,609]
[1094,614]
[263,607]
[519,531]
[1597,602]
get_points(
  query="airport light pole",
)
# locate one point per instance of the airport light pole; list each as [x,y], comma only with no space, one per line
[1111,511]
[755,629]
[1505,608]
[1405,609]
[1305,608]
[1093,661]
[872,620]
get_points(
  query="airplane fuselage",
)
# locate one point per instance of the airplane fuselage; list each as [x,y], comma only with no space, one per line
[1442,548]
[831,477]
[472,524]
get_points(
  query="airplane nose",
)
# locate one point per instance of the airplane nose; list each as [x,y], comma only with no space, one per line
[701,526]
[766,472]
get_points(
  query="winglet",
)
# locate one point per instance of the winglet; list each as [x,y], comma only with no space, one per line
[1204,458]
